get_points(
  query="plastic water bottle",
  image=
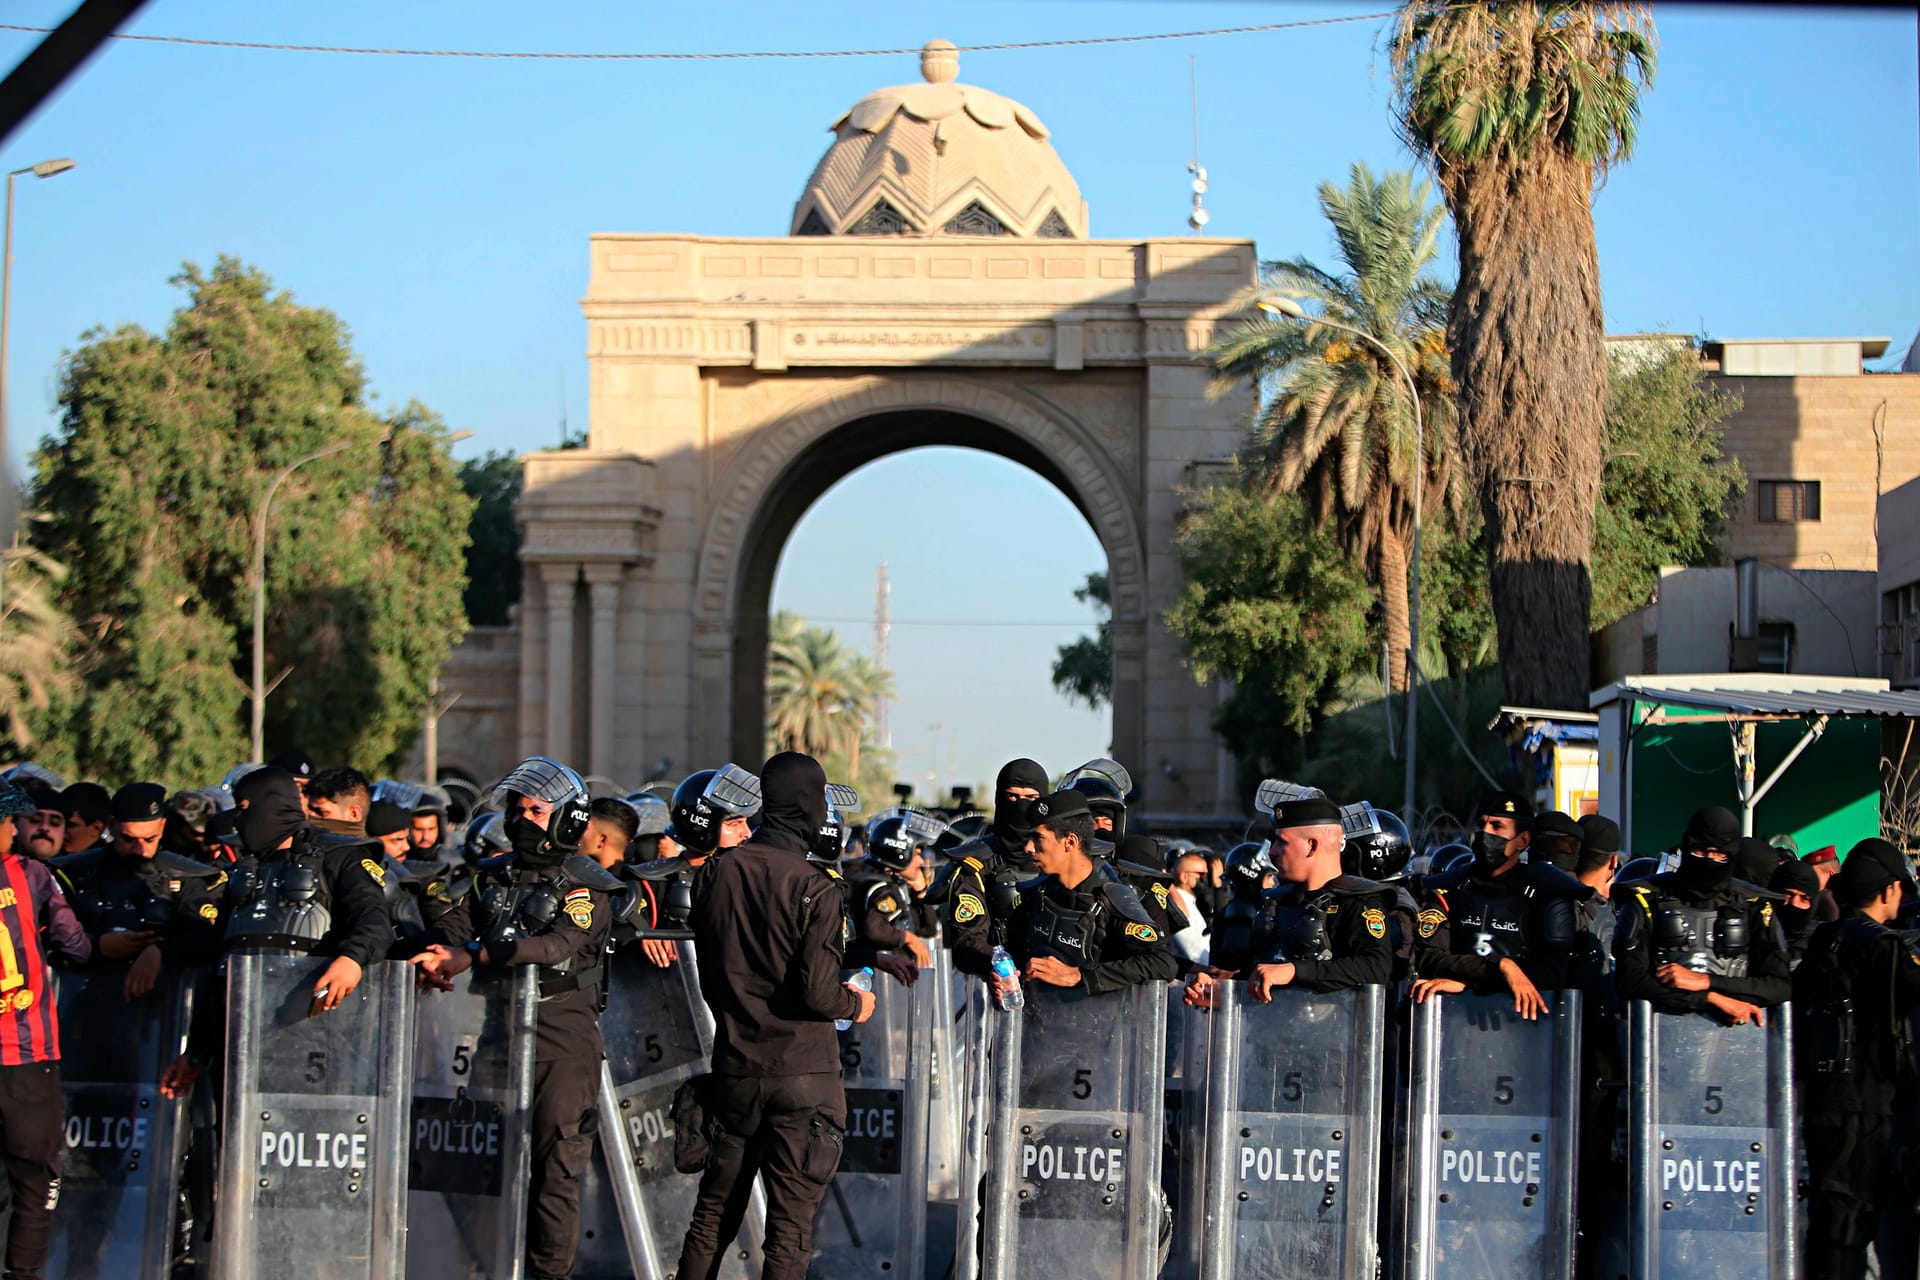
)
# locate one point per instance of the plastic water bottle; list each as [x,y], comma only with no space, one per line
[1003,967]
[861,981]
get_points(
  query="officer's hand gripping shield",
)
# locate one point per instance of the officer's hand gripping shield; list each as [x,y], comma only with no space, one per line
[634,1207]
[472,1116]
[1488,1181]
[1712,1152]
[125,1143]
[1293,1117]
[874,1218]
[1073,1146]
[313,1149]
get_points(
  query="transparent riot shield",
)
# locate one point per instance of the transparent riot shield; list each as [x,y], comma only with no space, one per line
[873,1220]
[1073,1147]
[1183,1177]
[1292,1150]
[125,1144]
[634,1206]
[974,1024]
[313,1147]
[1494,1135]
[943,1093]
[1712,1149]
[472,1117]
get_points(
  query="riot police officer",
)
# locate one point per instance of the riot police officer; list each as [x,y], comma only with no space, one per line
[880,903]
[1852,998]
[544,904]
[1078,924]
[908,834]
[1499,923]
[1691,940]
[137,902]
[1239,924]
[712,810]
[983,870]
[1106,785]
[484,838]
[768,936]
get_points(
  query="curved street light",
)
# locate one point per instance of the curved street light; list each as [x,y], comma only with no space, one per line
[260,515]
[45,169]
[1292,310]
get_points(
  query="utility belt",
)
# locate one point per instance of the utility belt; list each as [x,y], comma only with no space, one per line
[555,985]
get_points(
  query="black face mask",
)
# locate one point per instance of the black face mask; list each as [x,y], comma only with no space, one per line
[272,810]
[1702,874]
[1797,922]
[1489,850]
[530,841]
[1013,825]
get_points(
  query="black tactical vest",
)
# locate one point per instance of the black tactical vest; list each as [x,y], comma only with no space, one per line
[279,904]
[1488,920]
[1708,939]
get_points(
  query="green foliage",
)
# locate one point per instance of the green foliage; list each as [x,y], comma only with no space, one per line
[1268,601]
[37,640]
[1665,488]
[822,699]
[1083,669]
[167,444]
[493,546]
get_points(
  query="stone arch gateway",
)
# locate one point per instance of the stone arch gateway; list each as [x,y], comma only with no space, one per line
[732,380]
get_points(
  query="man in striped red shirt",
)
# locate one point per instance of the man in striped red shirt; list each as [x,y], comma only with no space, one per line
[34,916]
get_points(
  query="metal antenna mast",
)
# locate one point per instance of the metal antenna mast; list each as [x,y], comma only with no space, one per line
[882,628]
[1199,218]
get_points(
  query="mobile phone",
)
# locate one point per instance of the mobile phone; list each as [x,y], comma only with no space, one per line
[319,1002]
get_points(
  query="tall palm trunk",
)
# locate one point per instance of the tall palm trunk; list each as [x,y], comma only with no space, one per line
[1526,333]
[1393,600]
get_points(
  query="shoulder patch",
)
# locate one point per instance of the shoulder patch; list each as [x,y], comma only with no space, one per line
[374,869]
[968,907]
[578,905]
[1376,921]
[887,905]
[1766,913]
[1430,921]
[1160,894]
[209,912]
[1143,932]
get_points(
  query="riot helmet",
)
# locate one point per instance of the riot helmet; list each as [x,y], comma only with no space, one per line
[1274,792]
[1106,785]
[484,837]
[707,799]
[1453,857]
[1248,866]
[893,838]
[544,779]
[830,838]
[655,815]
[1378,844]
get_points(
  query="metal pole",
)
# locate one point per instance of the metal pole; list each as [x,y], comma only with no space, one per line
[432,749]
[6,325]
[260,587]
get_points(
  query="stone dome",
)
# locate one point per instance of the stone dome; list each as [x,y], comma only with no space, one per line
[940,158]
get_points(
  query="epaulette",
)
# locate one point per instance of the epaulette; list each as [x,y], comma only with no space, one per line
[583,870]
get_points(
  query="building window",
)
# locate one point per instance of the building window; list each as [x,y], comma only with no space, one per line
[975,220]
[814,225]
[1054,227]
[881,220]
[1775,650]
[1789,501]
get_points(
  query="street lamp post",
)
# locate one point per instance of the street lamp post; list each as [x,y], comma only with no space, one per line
[1284,306]
[260,515]
[45,169]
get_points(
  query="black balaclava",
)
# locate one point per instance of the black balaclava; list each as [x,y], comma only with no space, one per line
[270,810]
[1710,828]
[1792,874]
[530,844]
[1012,823]
[1755,860]
[793,802]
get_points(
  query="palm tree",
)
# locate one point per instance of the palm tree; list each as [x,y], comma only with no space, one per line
[37,642]
[821,695]
[1521,109]
[1336,423]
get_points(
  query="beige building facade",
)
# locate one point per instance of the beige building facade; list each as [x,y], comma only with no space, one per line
[939,289]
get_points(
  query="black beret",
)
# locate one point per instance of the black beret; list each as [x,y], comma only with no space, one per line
[384,817]
[1504,804]
[1599,835]
[1312,811]
[1061,804]
[1869,867]
[1712,828]
[1552,822]
[297,763]
[140,802]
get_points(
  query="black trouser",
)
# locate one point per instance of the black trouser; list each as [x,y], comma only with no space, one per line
[787,1129]
[32,1120]
[1848,1167]
[564,1124]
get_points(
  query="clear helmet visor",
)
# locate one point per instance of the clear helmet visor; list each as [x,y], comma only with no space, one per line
[653,813]
[538,778]
[236,773]
[1112,772]
[733,791]
[1274,792]
[923,827]
[1359,821]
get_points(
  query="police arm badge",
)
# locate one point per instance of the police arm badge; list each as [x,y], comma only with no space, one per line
[579,907]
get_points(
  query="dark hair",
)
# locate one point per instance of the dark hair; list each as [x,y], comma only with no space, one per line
[87,801]
[1593,860]
[340,782]
[1557,847]
[620,814]
[1073,824]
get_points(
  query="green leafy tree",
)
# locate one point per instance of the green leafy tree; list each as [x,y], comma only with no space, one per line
[37,642]
[1521,109]
[1337,423]
[1083,669]
[1269,601]
[1666,487]
[493,538]
[167,443]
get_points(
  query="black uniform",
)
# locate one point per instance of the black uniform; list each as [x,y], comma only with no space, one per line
[769,937]
[1721,932]
[538,907]
[1472,921]
[172,896]
[1336,937]
[1853,997]
[980,875]
[880,908]
[1098,926]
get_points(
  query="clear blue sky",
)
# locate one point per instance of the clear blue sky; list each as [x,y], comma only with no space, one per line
[442,206]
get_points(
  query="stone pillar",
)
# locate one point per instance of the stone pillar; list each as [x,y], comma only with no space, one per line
[560,579]
[603,586]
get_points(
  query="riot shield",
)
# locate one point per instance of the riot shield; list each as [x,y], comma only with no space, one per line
[874,1218]
[1189,1040]
[634,1207]
[313,1148]
[974,1025]
[125,1144]
[1073,1148]
[472,1117]
[1493,1134]
[1712,1149]
[1292,1150]
[944,1084]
